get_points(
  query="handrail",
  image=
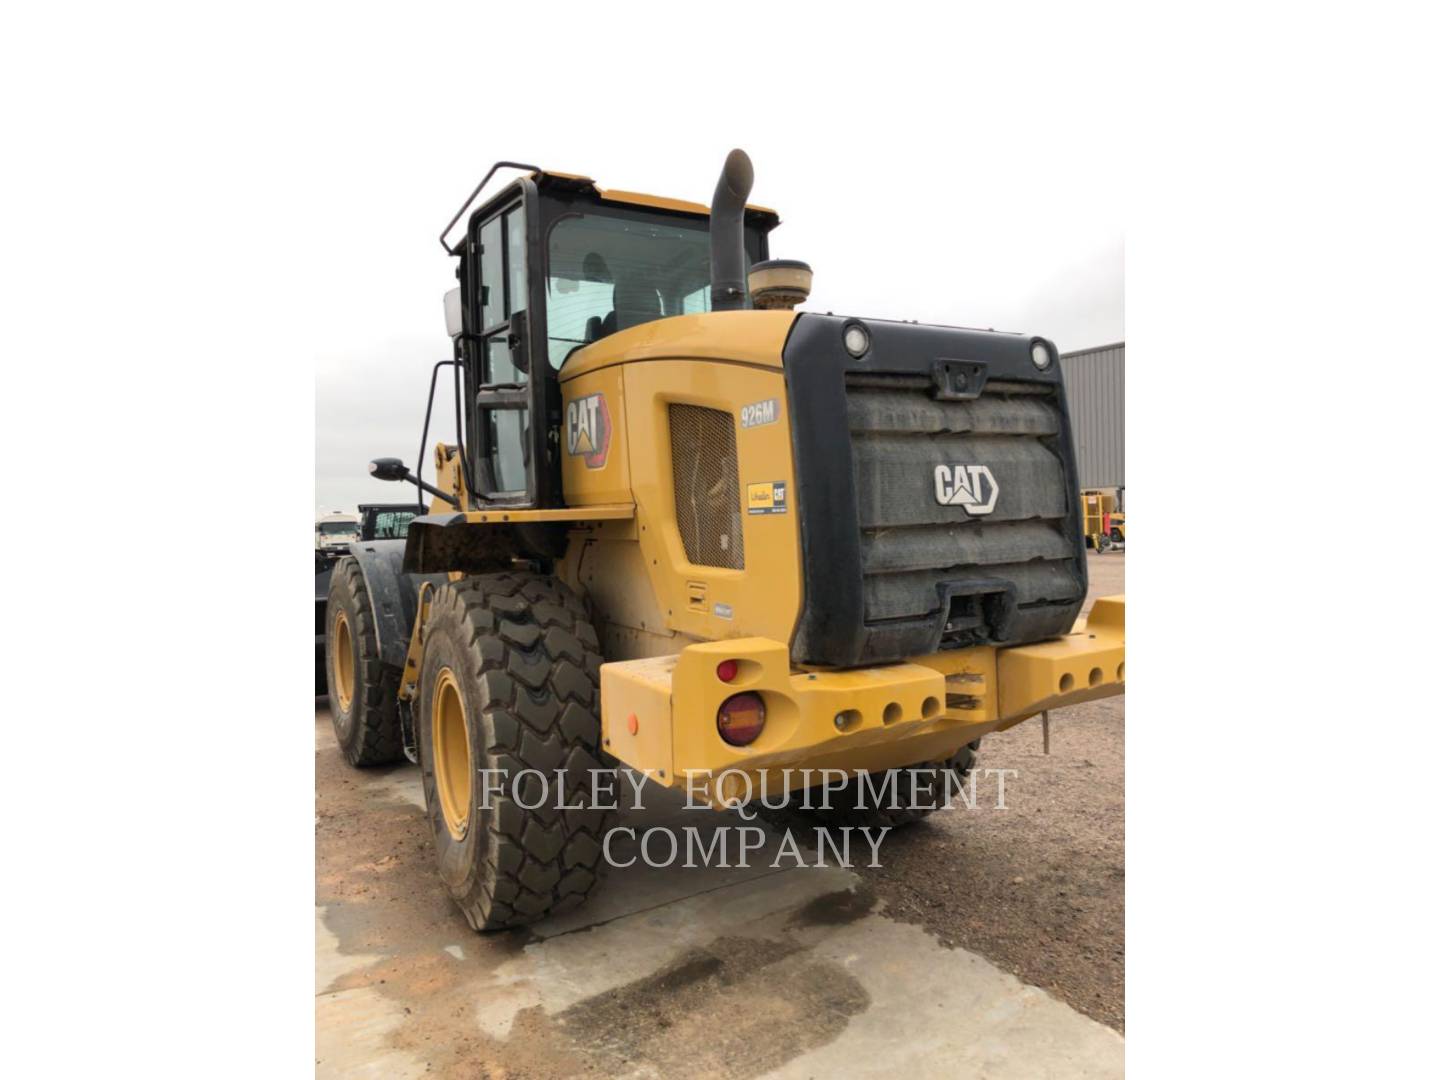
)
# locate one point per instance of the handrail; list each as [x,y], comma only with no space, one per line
[459,439]
[493,170]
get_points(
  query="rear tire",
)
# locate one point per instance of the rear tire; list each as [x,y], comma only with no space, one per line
[845,803]
[362,690]
[1116,536]
[510,681]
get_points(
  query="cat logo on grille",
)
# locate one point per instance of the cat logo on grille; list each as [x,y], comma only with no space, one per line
[587,429]
[970,486]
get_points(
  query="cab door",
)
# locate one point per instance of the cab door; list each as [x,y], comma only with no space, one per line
[498,374]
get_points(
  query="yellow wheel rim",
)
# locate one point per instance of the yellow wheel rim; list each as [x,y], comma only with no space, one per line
[450,736]
[342,661]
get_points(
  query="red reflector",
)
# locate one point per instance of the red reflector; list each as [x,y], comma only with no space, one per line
[741,719]
[726,670]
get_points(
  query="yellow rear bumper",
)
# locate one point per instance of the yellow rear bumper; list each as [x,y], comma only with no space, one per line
[658,715]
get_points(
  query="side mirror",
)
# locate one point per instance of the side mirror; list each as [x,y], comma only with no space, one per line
[392,468]
[454,324]
[388,468]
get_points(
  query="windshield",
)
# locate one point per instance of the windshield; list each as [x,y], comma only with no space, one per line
[607,273]
[337,528]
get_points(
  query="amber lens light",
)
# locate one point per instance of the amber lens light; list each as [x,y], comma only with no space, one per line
[726,670]
[741,719]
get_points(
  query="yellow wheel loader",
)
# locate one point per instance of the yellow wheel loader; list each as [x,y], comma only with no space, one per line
[687,528]
[1104,521]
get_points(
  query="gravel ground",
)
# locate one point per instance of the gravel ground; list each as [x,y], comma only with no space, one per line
[1038,888]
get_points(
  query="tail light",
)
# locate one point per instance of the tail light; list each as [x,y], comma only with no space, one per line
[726,670]
[741,719]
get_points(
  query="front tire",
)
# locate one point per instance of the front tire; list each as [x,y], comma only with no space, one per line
[362,689]
[510,681]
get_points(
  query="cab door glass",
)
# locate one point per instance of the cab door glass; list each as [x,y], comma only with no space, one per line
[500,369]
[515,299]
[502,281]
[508,431]
[492,275]
[503,292]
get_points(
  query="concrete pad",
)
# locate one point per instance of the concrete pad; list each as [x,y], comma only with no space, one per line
[353,1027]
[352,1032]
[559,972]
[791,972]
[937,1012]
[919,1009]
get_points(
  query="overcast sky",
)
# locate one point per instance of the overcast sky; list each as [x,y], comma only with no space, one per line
[1007,220]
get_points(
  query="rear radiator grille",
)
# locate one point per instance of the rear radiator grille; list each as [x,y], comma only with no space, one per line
[916,552]
[707,486]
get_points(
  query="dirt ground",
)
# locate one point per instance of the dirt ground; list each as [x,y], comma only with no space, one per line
[1037,890]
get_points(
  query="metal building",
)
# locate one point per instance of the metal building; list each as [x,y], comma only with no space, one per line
[1095,389]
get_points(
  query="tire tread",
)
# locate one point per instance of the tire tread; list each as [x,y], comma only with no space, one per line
[375,738]
[539,662]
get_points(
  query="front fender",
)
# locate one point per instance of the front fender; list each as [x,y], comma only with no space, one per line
[393,594]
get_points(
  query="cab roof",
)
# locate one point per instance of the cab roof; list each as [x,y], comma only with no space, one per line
[579,182]
[761,217]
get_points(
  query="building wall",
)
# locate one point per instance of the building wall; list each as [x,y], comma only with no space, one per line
[1095,389]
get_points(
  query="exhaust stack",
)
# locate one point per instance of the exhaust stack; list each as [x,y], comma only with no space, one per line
[727,233]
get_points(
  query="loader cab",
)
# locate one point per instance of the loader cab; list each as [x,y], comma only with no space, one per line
[552,264]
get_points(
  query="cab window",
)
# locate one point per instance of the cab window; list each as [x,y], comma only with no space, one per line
[608,272]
